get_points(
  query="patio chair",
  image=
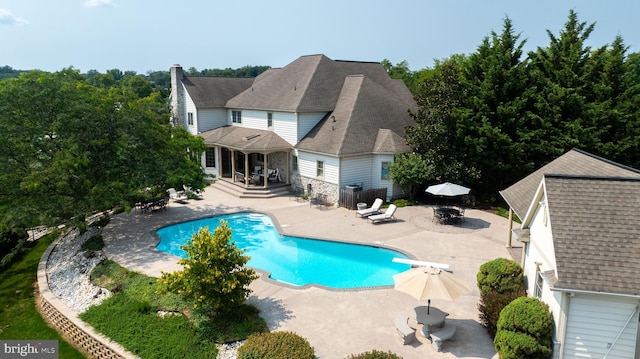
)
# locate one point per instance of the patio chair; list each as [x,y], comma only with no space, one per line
[180,197]
[274,176]
[374,209]
[388,215]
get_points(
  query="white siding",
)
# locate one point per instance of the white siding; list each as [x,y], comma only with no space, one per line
[306,121]
[190,106]
[540,248]
[285,125]
[594,322]
[208,119]
[378,182]
[307,166]
[356,170]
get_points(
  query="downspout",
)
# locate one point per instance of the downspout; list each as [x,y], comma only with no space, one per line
[620,333]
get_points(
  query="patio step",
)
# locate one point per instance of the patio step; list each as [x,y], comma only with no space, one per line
[252,192]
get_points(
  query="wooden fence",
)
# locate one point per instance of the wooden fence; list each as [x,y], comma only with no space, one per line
[350,199]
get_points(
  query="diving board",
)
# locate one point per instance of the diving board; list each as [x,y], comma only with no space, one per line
[420,263]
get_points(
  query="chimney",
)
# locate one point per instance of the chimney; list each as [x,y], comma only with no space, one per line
[177,96]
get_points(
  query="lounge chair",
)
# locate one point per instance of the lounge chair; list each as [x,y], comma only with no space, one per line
[374,209]
[190,193]
[388,215]
[274,176]
[180,197]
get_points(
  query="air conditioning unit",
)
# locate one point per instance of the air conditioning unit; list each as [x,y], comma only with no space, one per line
[353,188]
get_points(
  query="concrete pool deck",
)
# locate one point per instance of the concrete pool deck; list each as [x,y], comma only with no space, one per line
[339,323]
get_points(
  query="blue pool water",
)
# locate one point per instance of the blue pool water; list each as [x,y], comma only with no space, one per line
[294,260]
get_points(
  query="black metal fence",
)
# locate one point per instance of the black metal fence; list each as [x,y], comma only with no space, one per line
[350,199]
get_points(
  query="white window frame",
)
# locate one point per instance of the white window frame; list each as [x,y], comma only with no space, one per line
[190,118]
[210,151]
[269,120]
[538,285]
[236,116]
[320,169]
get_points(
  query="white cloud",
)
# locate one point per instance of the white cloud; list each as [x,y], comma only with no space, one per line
[99,3]
[8,18]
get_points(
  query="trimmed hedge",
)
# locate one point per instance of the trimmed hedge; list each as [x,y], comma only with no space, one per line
[500,281]
[525,328]
[276,345]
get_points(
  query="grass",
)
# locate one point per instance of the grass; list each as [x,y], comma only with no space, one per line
[130,318]
[504,212]
[19,319]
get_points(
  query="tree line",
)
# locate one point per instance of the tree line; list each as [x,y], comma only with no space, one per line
[488,119]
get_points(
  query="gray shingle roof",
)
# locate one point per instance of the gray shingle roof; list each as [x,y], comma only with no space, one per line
[363,108]
[247,139]
[595,234]
[310,84]
[575,162]
[212,92]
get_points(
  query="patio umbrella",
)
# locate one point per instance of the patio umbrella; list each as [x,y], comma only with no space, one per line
[430,283]
[447,189]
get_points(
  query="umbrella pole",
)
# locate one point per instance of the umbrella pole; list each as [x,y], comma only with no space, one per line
[428,305]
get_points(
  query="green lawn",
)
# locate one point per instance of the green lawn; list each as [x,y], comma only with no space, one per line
[19,319]
[130,318]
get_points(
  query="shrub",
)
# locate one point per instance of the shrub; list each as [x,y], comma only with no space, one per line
[500,275]
[94,243]
[525,328]
[375,354]
[490,306]
[214,277]
[276,345]
[500,281]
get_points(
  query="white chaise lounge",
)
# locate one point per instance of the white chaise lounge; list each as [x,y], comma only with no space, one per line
[177,197]
[374,209]
[388,215]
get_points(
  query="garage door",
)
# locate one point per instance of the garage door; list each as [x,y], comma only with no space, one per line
[594,322]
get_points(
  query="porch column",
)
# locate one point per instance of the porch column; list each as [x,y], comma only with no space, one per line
[265,170]
[286,170]
[510,234]
[233,165]
[246,170]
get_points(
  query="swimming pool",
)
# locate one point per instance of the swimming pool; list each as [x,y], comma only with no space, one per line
[294,260]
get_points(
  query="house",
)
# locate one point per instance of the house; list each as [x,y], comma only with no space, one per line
[581,252]
[323,124]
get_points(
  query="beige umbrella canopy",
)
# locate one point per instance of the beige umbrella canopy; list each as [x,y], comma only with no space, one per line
[430,283]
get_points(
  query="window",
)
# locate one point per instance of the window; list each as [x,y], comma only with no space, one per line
[294,163]
[384,171]
[210,157]
[320,168]
[269,120]
[236,116]
[539,284]
[190,118]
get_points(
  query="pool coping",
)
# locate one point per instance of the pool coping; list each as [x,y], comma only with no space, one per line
[266,275]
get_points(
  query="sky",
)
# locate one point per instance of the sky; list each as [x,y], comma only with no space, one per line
[152,35]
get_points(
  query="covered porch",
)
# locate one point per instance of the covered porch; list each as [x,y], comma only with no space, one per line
[250,158]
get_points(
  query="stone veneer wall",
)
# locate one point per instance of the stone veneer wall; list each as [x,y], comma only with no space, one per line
[299,183]
[67,323]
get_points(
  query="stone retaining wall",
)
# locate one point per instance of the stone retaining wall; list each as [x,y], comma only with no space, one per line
[67,323]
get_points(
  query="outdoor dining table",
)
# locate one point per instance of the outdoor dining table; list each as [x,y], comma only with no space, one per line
[447,214]
[428,316]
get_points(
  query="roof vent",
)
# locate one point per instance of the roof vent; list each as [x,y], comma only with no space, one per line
[251,136]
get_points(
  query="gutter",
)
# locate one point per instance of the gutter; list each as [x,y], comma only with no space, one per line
[570,291]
